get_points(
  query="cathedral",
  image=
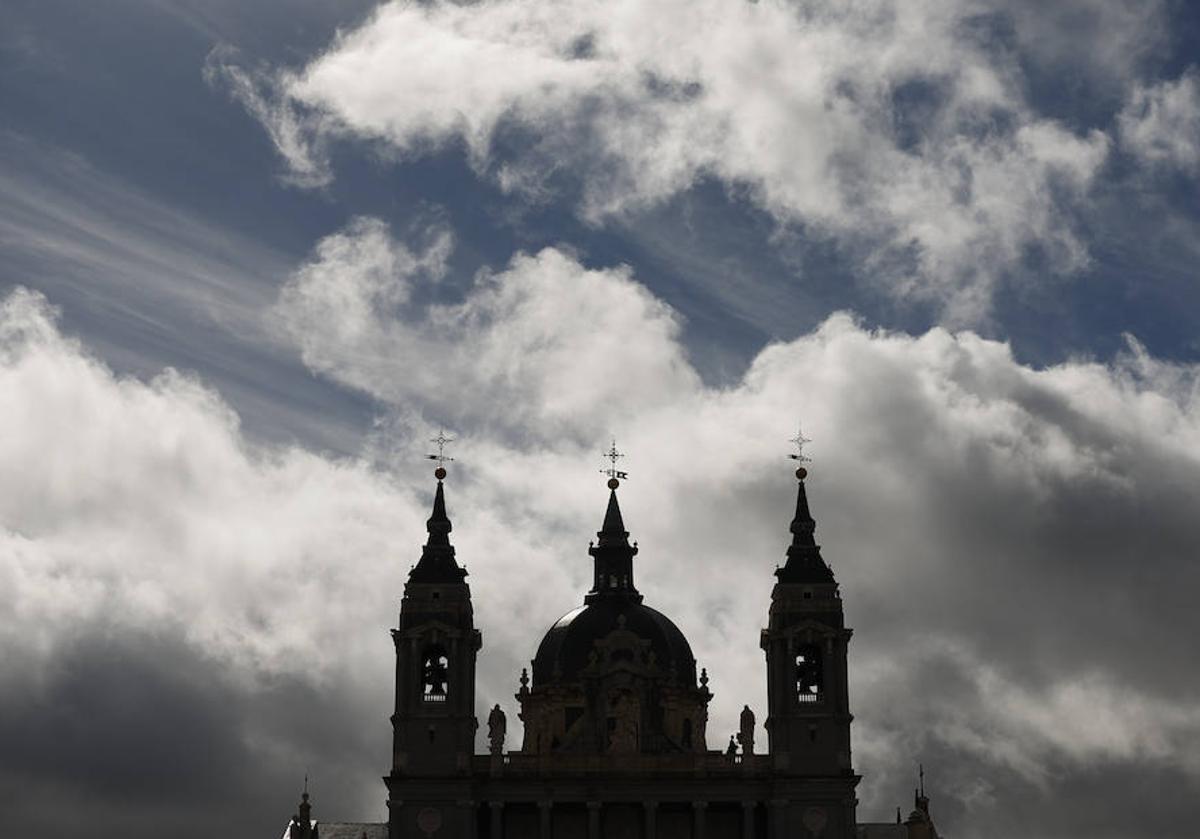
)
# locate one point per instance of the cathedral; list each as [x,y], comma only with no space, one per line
[615,743]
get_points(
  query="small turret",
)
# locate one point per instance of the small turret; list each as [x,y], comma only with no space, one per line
[919,822]
[302,824]
[613,556]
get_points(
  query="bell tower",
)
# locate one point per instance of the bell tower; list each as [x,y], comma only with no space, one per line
[433,727]
[808,710]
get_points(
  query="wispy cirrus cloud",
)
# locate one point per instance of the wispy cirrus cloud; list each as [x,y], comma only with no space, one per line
[295,132]
[1160,124]
[152,284]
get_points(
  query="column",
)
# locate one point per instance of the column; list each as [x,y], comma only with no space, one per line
[748,819]
[497,819]
[778,818]
[698,808]
[545,816]
[651,814]
[469,816]
[593,819]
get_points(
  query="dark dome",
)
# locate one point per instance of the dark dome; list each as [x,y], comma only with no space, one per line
[570,641]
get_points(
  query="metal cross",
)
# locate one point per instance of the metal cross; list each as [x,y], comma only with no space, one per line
[612,456]
[799,441]
[441,441]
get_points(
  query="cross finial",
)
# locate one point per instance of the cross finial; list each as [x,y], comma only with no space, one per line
[800,441]
[441,441]
[614,474]
[800,457]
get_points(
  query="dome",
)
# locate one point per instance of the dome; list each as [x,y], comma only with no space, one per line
[565,650]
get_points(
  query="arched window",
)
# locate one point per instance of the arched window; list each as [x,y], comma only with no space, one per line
[435,675]
[810,677]
[687,733]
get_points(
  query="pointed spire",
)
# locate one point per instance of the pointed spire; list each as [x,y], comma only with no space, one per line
[437,563]
[804,563]
[803,525]
[438,525]
[613,531]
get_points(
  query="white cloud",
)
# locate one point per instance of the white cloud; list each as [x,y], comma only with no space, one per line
[947,473]
[139,503]
[539,347]
[1160,124]
[889,126]
[1029,521]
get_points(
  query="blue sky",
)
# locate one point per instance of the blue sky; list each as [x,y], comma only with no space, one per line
[337,227]
[106,108]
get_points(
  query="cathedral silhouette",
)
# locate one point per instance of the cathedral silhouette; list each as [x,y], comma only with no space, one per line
[615,742]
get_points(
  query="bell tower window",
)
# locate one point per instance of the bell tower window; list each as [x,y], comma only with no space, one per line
[435,670]
[810,677]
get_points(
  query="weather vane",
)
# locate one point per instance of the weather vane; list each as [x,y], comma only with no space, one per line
[799,441]
[441,441]
[615,475]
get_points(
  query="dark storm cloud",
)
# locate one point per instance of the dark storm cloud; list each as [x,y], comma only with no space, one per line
[135,718]
[146,733]
[1120,799]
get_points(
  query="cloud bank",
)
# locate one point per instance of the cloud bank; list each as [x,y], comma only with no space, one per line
[900,131]
[1015,546]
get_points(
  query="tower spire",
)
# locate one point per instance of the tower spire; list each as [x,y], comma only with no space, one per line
[437,564]
[804,563]
[613,531]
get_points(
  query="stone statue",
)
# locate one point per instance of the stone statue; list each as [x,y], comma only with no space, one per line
[497,726]
[746,734]
[625,733]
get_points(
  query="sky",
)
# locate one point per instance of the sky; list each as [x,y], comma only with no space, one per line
[253,255]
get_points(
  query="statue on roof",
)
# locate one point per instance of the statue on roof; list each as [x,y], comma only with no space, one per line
[497,727]
[746,735]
